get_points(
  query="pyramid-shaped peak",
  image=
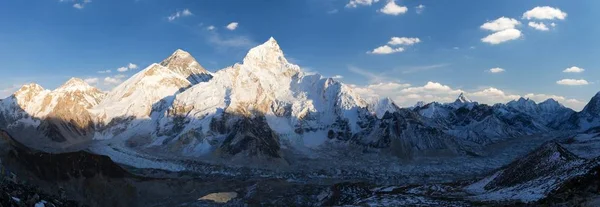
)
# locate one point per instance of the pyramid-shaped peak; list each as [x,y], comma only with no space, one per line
[550,101]
[268,52]
[181,53]
[75,84]
[75,81]
[185,64]
[463,99]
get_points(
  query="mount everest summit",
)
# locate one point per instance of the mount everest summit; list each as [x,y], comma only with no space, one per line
[261,107]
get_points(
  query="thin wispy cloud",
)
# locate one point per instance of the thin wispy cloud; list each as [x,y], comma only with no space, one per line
[416,69]
[224,42]
[179,14]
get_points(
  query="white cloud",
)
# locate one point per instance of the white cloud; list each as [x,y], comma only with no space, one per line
[496,70]
[574,69]
[553,24]
[572,82]
[210,28]
[502,23]
[91,81]
[384,50]
[232,26]
[544,13]
[176,15]
[132,66]
[391,8]
[78,6]
[404,41]
[104,71]
[186,12]
[356,3]
[539,26]
[419,9]
[122,69]
[112,81]
[502,36]
[120,76]
[337,77]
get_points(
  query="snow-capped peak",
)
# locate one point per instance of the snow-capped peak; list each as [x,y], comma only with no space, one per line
[186,65]
[29,88]
[463,99]
[380,106]
[75,84]
[267,53]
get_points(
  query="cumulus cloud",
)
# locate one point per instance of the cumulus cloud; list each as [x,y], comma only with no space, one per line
[544,13]
[572,82]
[112,81]
[122,69]
[496,70]
[178,14]
[91,81]
[404,41]
[419,9]
[502,23]
[574,69]
[132,66]
[384,50]
[232,26]
[539,26]
[502,36]
[356,3]
[391,8]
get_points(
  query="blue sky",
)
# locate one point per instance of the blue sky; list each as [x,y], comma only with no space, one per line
[49,41]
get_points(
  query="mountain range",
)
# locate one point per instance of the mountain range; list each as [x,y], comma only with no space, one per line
[262,107]
[267,117]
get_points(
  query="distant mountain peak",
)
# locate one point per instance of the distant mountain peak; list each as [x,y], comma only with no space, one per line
[185,64]
[463,99]
[75,84]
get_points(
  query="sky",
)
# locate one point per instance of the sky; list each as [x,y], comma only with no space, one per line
[408,50]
